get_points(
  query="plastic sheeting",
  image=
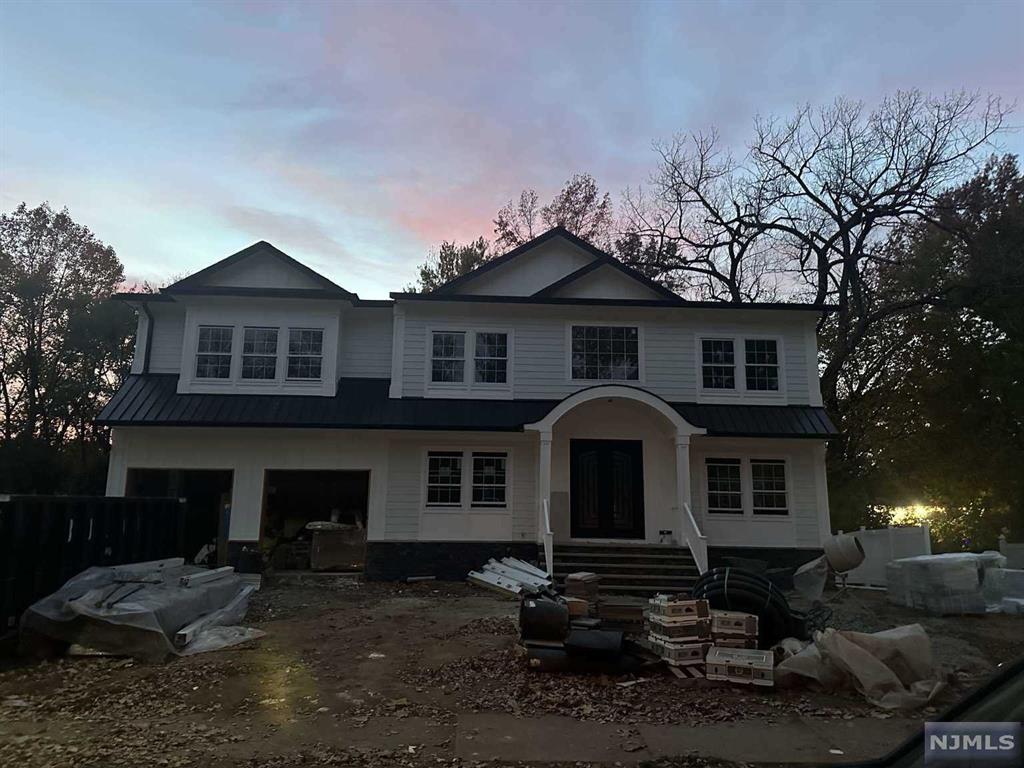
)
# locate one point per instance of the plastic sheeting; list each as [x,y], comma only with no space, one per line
[943,584]
[891,669]
[137,609]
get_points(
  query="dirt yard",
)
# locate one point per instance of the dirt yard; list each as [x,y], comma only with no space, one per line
[429,674]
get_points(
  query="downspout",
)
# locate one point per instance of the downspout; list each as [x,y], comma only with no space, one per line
[149,336]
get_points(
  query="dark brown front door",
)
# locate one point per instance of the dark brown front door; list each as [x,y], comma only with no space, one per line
[606,489]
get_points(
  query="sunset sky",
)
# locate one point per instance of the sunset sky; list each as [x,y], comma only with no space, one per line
[357,136]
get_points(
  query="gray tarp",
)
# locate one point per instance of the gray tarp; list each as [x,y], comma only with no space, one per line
[137,609]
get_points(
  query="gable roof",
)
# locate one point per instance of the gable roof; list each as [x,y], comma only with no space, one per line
[600,258]
[195,283]
[614,264]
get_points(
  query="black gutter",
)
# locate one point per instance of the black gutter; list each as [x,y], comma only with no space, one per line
[656,303]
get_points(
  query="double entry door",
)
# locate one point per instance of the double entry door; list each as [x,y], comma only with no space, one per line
[606,489]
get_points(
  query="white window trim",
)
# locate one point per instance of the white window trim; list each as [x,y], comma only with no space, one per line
[276,355]
[468,388]
[787,477]
[707,394]
[234,356]
[189,383]
[466,507]
[746,488]
[641,355]
[287,352]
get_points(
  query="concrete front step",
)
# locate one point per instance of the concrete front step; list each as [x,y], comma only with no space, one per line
[687,569]
[629,569]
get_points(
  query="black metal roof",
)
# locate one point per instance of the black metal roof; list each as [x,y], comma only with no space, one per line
[152,400]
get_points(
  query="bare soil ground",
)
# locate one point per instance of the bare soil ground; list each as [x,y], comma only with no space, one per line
[379,674]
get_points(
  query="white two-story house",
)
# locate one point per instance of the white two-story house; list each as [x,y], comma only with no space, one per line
[551,397]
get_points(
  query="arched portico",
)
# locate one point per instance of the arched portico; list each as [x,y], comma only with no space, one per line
[619,411]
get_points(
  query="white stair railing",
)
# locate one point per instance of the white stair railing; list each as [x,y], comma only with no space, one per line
[695,540]
[549,541]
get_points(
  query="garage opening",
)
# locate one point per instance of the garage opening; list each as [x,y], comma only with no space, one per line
[315,519]
[208,514]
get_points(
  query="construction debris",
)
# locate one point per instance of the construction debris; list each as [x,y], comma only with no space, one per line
[584,585]
[892,669]
[511,577]
[625,614]
[148,610]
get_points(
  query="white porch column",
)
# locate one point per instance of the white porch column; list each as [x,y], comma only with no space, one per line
[543,482]
[683,488]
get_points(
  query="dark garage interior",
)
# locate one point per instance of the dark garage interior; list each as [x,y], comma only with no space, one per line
[208,492]
[315,519]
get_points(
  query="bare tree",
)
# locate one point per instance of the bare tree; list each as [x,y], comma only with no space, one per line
[579,207]
[813,201]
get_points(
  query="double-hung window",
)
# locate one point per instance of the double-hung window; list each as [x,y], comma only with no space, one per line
[479,476]
[725,487]
[489,479]
[490,359]
[213,352]
[444,479]
[605,353]
[305,353]
[718,364]
[451,363]
[762,364]
[259,353]
[448,357]
[768,483]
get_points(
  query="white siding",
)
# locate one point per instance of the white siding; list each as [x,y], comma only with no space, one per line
[366,343]
[540,352]
[168,332]
[802,527]
[606,283]
[408,518]
[249,453]
[262,270]
[526,274]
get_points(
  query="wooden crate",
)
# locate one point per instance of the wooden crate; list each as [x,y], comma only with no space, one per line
[740,665]
[733,623]
[578,607]
[668,605]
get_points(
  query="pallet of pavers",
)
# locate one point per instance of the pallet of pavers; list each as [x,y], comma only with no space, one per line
[679,629]
[733,629]
[740,665]
[674,607]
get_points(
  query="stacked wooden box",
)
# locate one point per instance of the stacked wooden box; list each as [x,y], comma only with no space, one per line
[625,614]
[582,588]
[733,629]
[679,630]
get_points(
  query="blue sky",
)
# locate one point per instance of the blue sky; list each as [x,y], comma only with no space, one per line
[357,136]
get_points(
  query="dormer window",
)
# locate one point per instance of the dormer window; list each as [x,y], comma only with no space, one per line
[762,364]
[259,353]
[213,352]
[305,353]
